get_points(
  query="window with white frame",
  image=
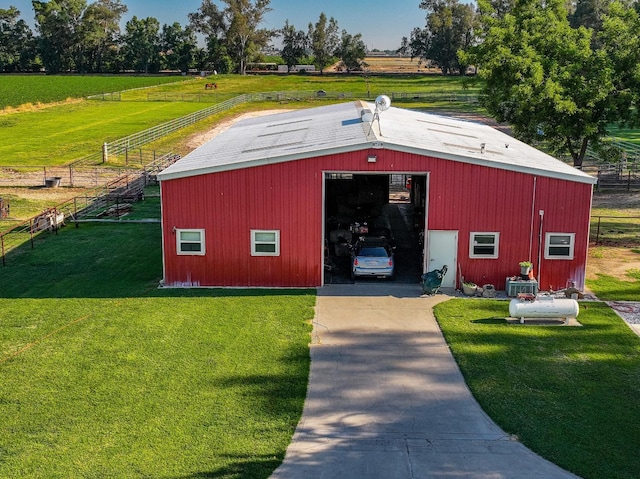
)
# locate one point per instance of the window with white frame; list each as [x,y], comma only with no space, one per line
[559,245]
[190,242]
[483,244]
[265,243]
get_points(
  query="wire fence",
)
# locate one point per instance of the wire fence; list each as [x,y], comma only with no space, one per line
[112,199]
[617,231]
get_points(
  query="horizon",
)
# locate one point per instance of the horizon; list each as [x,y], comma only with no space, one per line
[379,31]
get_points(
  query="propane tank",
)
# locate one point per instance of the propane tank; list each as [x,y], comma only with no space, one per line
[544,307]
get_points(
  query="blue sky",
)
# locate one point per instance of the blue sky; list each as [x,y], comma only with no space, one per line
[381,23]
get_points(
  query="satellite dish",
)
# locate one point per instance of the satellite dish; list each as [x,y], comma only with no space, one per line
[383,102]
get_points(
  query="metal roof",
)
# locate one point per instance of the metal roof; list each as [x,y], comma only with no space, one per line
[347,127]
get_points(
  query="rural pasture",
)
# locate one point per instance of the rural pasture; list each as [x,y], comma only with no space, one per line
[22,90]
[102,374]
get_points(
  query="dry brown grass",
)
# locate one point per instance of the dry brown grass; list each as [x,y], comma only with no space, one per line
[397,65]
[27,107]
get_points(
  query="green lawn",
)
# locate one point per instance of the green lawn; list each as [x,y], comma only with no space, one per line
[570,394]
[102,374]
[377,84]
[16,90]
[61,134]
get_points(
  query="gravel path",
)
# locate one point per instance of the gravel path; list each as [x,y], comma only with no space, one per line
[627,310]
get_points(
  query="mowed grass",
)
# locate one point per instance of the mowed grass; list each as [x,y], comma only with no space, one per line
[59,135]
[374,84]
[568,393]
[16,90]
[104,375]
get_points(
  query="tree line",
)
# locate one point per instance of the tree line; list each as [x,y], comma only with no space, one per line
[82,37]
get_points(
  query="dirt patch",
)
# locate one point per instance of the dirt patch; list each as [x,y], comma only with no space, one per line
[612,262]
[630,200]
[52,195]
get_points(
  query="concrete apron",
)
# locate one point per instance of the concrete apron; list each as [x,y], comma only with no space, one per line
[386,398]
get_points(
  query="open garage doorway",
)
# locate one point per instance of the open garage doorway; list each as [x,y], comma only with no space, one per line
[366,214]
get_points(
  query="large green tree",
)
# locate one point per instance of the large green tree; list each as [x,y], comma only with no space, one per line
[236,27]
[76,36]
[60,40]
[294,44]
[450,28]
[548,80]
[100,33]
[17,45]
[141,45]
[351,50]
[179,47]
[324,40]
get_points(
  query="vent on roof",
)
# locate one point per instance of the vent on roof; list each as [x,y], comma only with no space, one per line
[366,115]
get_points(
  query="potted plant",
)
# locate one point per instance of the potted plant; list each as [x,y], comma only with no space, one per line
[525,267]
[469,288]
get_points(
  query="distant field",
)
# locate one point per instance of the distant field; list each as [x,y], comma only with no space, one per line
[61,134]
[16,90]
[360,85]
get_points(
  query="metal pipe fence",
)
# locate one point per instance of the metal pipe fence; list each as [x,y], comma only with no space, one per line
[107,198]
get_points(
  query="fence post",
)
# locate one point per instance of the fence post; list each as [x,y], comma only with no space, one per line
[71,176]
[598,232]
[31,232]
[105,152]
[126,155]
[44,180]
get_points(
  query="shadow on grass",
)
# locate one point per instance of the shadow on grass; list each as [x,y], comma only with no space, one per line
[260,466]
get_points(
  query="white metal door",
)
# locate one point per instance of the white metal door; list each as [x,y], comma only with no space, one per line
[442,249]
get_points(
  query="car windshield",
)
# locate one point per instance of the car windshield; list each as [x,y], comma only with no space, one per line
[377,251]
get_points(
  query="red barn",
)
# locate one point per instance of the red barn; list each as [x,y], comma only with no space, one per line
[259,205]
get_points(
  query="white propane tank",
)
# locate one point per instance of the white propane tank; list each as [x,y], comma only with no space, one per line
[544,307]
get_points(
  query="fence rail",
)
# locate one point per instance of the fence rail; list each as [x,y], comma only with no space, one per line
[105,199]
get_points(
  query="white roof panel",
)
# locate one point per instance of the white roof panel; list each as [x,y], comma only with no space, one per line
[338,128]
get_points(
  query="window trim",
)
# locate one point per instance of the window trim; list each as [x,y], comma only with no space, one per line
[496,244]
[255,243]
[571,246]
[179,242]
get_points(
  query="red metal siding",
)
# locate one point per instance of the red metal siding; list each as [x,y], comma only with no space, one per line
[288,197]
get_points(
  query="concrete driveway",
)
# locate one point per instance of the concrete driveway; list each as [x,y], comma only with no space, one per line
[387,400]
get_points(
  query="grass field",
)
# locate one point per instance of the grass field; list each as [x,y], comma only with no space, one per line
[568,393]
[363,86]
[104,375]
[41,137]
[59,135]
[16,90]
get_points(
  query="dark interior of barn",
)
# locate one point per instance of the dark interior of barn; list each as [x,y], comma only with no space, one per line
[361,207]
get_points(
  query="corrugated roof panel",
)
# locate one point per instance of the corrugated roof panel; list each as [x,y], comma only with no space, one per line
[337,128]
